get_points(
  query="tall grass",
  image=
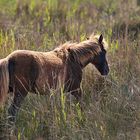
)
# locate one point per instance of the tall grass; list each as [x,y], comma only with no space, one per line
[111,105]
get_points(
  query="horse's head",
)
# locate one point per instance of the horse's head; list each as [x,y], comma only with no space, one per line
[92,51]
[99,60]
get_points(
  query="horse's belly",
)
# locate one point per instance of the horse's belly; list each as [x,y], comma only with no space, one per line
[44,84]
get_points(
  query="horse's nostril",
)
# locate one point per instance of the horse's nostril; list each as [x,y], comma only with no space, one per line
[106,71]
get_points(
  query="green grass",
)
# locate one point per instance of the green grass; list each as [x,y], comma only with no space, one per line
[111,105]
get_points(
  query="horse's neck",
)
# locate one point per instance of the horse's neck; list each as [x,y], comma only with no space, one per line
[84,54]
[85,60]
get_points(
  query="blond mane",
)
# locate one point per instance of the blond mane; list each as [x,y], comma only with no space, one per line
[91,46]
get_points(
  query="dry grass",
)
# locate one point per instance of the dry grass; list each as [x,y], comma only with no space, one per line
[111,104]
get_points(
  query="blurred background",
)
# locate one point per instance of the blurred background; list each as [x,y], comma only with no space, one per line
[112,103]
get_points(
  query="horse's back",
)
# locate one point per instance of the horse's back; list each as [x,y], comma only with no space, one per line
[35,70]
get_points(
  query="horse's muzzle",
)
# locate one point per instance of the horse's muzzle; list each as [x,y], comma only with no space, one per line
[105,72]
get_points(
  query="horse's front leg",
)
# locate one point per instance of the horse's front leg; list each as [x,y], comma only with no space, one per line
[14,107]
[73,87]
[77,93]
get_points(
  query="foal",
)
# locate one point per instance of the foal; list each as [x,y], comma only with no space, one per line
[25,71]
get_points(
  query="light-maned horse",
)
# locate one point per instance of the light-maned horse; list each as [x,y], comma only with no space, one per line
[25,71]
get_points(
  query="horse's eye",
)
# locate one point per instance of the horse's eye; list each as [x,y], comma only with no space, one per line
[104,51]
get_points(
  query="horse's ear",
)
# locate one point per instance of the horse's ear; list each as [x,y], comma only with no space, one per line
[100,38]
[71,54]
[69,50]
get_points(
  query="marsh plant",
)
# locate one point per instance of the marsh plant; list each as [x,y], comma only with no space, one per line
[111,104]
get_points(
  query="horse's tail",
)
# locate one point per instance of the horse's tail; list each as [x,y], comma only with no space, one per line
[4,80]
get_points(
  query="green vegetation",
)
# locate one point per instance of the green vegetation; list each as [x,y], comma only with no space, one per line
[111,105]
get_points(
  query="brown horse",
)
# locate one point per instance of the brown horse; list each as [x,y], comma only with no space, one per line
[25,71]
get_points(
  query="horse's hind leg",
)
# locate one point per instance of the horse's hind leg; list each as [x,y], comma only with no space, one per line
[13,109]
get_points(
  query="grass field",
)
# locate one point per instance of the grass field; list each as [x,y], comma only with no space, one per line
[112,103]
